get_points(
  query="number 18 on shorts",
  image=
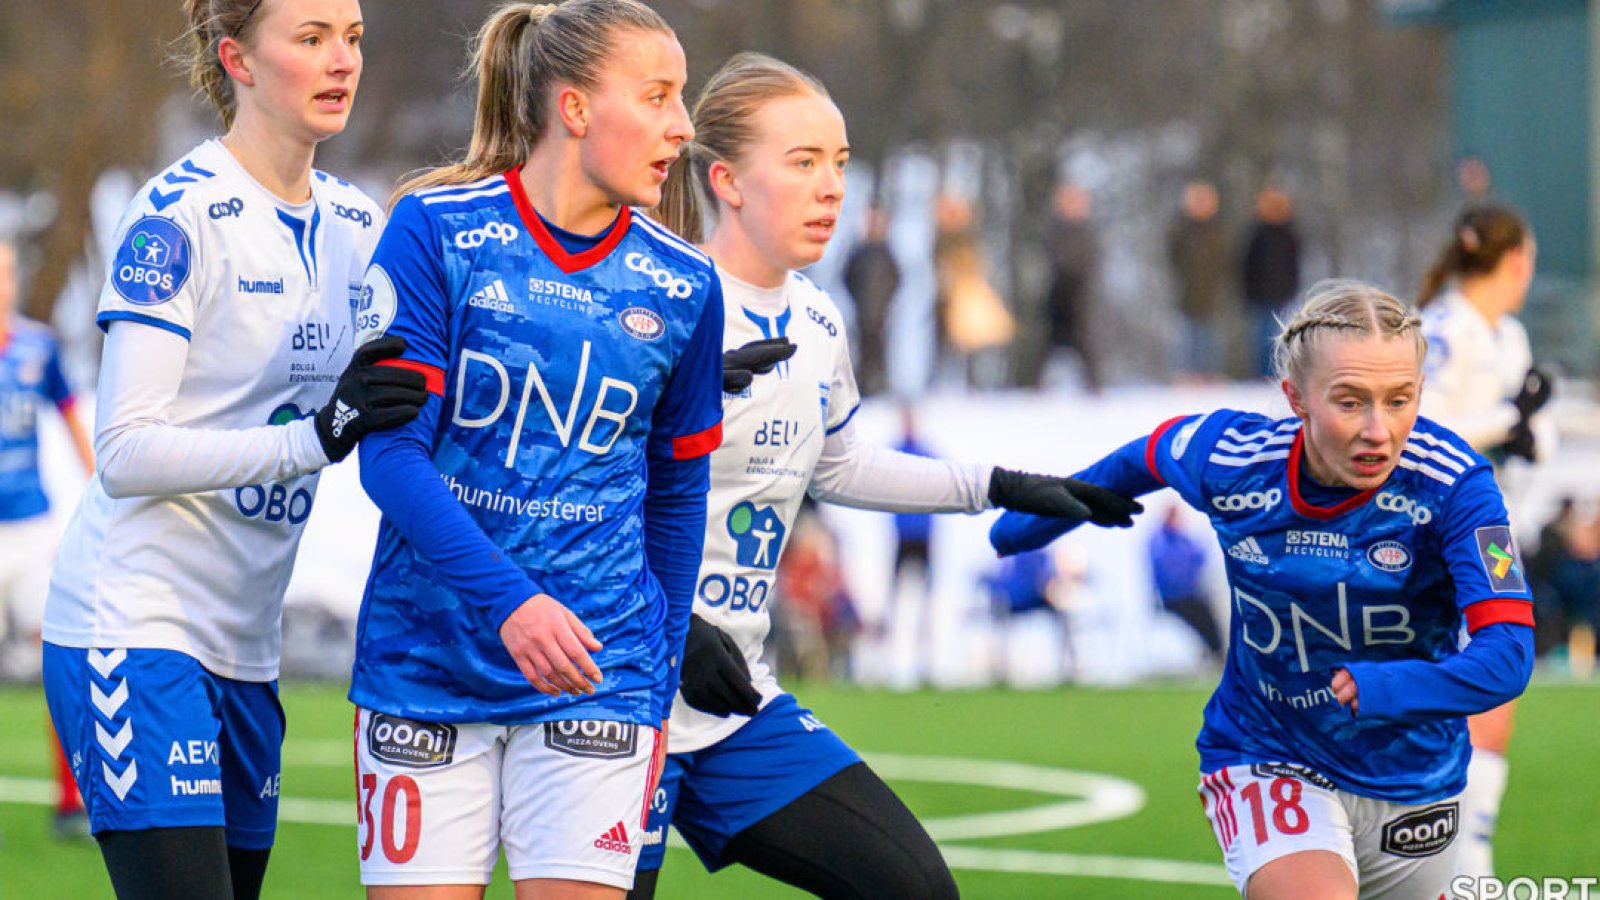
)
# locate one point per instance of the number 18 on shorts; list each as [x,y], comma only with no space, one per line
[436,802]
[1265,811]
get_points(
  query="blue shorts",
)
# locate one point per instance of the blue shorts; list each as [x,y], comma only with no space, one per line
[712,794]
[156,741]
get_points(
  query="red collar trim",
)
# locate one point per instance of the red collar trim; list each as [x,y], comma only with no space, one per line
[1321,513]
[566,262]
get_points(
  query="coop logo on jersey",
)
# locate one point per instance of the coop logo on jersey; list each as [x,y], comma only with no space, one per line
[592,738]
[503,232]
[1248,550]
[1390,556]
[349,213]
[1500,559]
[758,534]
[376,305]
[676,288]
[410,743]
[1405,506]
[152,264]
[1253,500]
[1421,833]
[229,208]
[641,323]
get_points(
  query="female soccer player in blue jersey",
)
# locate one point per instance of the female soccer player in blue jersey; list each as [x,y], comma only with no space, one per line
[542,519]
[770,786]
[1359,539]
[229,379]
[1483,385]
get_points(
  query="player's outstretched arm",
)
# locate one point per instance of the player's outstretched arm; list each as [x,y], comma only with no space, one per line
[1105,488]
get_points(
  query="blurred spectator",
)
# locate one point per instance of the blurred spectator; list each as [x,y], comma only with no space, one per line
[815,618]
[1474,181]
[913,532]
[1271,272]
[1074,252]
[1578,580]
[871,275]
[1197,252]
[1178,568]
[1028,584]
[1544,574]
[971,316]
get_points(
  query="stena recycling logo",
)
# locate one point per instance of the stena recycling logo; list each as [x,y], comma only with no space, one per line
[503,232]
[642,323]
[676,288]
[152,264]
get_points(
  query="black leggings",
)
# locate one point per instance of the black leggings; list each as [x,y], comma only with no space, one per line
[181,864]
[848,838]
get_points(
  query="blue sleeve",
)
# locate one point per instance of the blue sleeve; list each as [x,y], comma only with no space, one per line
[1493,669]
[55,380]
[1126,471]
[1484,562]
[685,427]
[674,538]
[406,292]
[398,473]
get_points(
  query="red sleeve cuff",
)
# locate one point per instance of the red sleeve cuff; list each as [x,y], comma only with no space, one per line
[1150,446]
[433,374]
[1497,611]
[692,445]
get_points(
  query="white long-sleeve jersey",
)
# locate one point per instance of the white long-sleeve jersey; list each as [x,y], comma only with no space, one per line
[228,314]
[1474,369]
[791,432]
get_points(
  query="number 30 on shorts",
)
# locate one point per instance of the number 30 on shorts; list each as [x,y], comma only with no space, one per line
[389,813]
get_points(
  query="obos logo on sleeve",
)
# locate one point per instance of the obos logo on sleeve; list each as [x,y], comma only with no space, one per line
[375,307]
[1500,559]
[152,264]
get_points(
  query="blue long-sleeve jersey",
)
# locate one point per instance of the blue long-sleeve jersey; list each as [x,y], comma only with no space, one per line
[1379,582]
[577,395]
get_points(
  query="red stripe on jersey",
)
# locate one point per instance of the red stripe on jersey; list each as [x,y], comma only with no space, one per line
[433,374]
[1498,610]
[692,445]
[566,262]
[652,778]
[1150,446]
[1323,513]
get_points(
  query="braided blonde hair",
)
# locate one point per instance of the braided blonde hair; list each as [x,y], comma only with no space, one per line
[1346,308]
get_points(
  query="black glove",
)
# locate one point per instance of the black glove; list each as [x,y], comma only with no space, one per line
[1537,386]
[1521,442]
[741,365]
[1062,498]
[716,679]
[370,397]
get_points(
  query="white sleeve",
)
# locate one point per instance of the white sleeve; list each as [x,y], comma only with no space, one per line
[138,454]
[1454,397]
[866,476]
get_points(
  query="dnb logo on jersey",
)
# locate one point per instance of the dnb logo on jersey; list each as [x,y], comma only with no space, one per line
[757,533]
[152,264]
[1500,562]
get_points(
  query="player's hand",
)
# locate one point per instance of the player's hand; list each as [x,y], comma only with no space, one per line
[1344,690]
[716,679]
[370,397]
[551,647]
[1061,498]
[741,365]
[1537,388]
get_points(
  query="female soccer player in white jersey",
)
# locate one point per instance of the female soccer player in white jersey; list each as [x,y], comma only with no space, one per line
[771,787]
[542,519]
[1359,539]
[227,312]
[1482,384]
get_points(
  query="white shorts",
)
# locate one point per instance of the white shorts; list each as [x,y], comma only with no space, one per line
[1265,811]
[436,802]
[27,553]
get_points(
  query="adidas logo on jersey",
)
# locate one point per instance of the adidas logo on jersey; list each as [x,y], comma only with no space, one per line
[1249,551]
[615,840]
[343,414]
[492,296]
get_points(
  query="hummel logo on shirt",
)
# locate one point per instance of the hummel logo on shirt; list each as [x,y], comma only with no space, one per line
[615,840]
[1249,551]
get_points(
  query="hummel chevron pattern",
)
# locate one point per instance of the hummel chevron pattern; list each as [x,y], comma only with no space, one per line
[108,705]
[121,783]
[114,745]
[105,663]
